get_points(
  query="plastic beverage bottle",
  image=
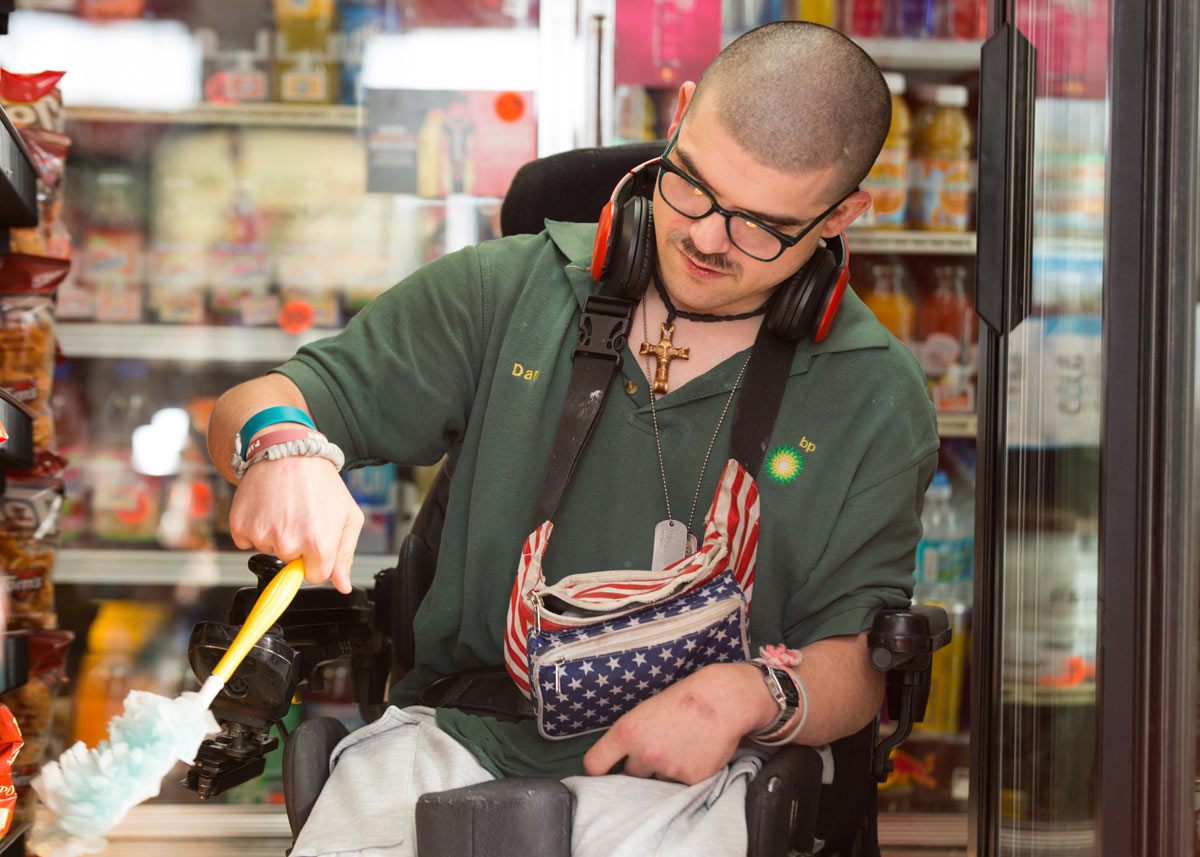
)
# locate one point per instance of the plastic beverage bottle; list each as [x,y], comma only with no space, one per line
[948,311]
[818,11]
[941,175]
[863,18]
[912,19]
[306,59]
[961,19]
[887,183]
[943,576]
[110,669]
[125,503]
[888,299]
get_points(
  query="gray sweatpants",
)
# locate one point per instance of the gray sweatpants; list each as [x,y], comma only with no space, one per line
[367,807]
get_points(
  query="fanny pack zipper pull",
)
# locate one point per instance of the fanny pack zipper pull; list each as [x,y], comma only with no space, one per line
[558,667]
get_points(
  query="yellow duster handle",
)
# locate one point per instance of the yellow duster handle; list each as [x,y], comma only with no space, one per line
[273,601]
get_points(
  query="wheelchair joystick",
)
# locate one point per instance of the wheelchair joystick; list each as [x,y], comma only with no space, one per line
[319,626]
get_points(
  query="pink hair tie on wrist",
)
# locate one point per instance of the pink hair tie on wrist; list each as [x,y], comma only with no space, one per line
[285,443]
[282,436]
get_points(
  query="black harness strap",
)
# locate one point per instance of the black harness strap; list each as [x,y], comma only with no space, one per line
[603,328]
[757,404]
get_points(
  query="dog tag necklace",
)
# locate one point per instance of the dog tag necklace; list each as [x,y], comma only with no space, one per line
[672,539]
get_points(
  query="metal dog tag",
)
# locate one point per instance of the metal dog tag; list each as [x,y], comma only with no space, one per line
[670,543]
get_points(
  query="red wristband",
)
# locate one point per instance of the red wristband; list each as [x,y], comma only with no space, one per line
[274,438]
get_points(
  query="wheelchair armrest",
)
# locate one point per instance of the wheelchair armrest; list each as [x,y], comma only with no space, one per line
[902,643]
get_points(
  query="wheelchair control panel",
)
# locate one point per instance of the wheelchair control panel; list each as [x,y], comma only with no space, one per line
[319,626]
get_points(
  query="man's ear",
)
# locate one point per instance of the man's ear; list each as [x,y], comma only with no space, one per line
[686,91]
[851,208]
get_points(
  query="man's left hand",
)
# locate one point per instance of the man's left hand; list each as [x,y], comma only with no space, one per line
[689,731]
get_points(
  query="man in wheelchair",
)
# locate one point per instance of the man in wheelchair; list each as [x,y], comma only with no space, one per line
[654,691]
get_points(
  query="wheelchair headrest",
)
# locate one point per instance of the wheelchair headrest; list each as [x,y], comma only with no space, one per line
[570,186]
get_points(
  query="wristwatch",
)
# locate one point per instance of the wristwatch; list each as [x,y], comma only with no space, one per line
[784,689]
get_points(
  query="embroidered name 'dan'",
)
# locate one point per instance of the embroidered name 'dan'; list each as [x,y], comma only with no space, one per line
[520,371]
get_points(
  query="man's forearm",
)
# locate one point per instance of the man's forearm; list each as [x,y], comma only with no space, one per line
[239,404]
[844,690]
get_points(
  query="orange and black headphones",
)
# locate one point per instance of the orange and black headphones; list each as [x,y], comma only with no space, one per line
[623,257]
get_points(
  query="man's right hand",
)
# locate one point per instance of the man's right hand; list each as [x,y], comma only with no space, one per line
[298,507]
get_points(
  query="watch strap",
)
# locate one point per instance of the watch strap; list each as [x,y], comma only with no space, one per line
[779,682]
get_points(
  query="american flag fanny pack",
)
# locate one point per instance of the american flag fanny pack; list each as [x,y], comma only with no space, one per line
[592,646]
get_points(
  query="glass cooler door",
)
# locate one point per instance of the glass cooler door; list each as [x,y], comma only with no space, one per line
[1082,704]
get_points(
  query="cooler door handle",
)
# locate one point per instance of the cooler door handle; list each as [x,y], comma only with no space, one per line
[1005,201]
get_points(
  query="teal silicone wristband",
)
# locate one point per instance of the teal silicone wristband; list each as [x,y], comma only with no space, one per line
[269,417]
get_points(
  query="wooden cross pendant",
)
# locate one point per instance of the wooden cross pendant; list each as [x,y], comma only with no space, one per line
[665,351]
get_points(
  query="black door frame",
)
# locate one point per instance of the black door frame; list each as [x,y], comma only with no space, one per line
[1146,717]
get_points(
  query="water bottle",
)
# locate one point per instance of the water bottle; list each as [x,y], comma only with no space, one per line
[943,575]
[944,552]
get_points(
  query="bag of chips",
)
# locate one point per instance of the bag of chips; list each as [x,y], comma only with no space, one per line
[10,746]
[27,338]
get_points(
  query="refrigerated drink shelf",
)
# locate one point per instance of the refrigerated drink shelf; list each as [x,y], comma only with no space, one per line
[171,567]
[927,54]
[957,425]
[911,242]
[196,343]
[258,114]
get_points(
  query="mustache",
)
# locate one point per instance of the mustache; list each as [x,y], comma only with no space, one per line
[715,261]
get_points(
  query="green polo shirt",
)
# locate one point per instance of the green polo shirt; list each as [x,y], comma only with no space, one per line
[470,357]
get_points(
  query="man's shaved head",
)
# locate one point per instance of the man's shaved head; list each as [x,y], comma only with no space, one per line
[800,97]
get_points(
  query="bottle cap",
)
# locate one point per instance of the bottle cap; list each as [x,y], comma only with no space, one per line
[950,96]
[896,83]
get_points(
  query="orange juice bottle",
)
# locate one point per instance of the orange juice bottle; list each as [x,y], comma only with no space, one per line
[818,11]
[306,55]
[889,300]
[941,180]
[110,668]
[887,183]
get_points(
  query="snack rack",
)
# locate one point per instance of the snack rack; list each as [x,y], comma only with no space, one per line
[18,207]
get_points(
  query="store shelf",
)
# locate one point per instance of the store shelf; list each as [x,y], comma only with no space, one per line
[957,425]
[931,54]
[293,115]
[923,829]
[911,242]
[190,343]
[169,568]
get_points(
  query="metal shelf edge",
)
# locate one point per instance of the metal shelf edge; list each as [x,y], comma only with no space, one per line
[912,242]
[957,425]
[170,568]
[263,114]
[931,54]
[182,342]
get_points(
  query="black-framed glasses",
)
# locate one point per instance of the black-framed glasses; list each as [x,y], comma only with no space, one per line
[750,235]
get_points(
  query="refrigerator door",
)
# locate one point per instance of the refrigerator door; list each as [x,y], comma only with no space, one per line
[1082,704]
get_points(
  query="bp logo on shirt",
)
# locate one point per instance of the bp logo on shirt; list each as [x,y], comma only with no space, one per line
[785,462]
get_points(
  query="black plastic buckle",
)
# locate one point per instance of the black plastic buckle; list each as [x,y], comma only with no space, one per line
[604,326]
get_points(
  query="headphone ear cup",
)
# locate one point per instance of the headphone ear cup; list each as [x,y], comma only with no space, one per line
[802,296]
[634,255]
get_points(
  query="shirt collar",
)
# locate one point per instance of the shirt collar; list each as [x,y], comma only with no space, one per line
[856,326]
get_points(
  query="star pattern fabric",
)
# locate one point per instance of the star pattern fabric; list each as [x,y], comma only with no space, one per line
[584,679]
